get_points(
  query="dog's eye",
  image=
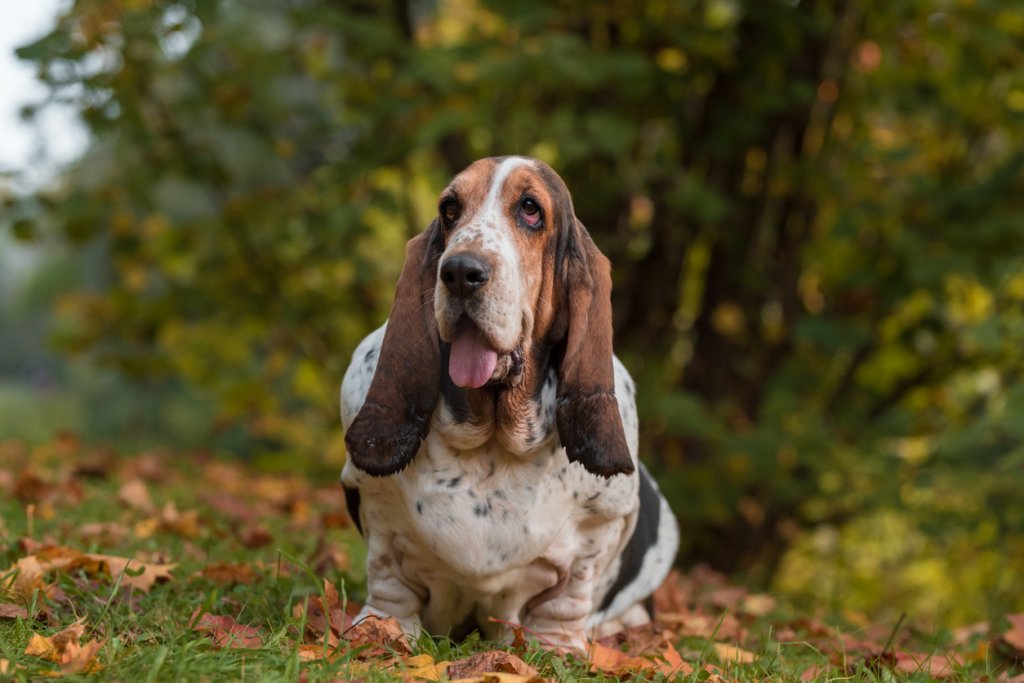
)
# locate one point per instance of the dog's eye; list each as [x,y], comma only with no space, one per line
[530,213]
[449,210]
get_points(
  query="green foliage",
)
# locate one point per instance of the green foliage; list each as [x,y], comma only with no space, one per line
[813,209]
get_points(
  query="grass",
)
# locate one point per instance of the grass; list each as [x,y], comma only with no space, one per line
[257,548]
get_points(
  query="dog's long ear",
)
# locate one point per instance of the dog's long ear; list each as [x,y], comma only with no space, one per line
[589,424]
[386,433]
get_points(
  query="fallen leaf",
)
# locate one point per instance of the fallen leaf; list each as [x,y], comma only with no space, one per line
[31,571]
[253,537]
[64,649]
[226,632]
[1014,636]
[134,494]
[11,611]
[758,605]
[385,634]
[637,640]
[314,652]
[103,533]
[672,595]
[325,616]
[965,634]
[80,658]
[699,625]
[733,653]
[674,663]
[493,661]
[935,665]
[136,574]
[424,666]
[726,596]
[612,661]
[814,672]
[228,573]
[501,678]
[42,647]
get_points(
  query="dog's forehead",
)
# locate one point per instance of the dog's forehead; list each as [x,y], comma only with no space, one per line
[492,180]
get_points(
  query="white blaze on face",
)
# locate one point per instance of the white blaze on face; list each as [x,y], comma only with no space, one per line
[497,310]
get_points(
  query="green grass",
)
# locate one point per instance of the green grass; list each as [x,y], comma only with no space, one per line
[53,493]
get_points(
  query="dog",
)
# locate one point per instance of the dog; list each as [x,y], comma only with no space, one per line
[491,434]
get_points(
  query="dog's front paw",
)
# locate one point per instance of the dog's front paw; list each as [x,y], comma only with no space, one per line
[562,642]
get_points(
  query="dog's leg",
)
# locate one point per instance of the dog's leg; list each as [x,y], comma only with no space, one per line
[561,620]
[390,594]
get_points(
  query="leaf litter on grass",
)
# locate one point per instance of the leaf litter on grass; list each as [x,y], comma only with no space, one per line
[213,528]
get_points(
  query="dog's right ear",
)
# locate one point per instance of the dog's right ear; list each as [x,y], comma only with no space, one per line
[385,435]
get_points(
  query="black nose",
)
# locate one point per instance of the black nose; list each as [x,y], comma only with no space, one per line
[464,274]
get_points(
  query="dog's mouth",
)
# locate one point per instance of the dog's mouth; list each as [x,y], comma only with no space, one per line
[473,361]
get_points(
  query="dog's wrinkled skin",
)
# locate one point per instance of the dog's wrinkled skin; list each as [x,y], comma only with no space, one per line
[491,433]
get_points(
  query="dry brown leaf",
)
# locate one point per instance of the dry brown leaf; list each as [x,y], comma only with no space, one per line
[64,649]
[314,652]
[965,634]
[699,625]
[726,596]
[5,666]
[1014,636]
[813,672]
[385,634]
[128,569]
[612,661]
[134,494]
[70,634]
[228,573]
[500,678]
[673,662]
[636,640]
[32,570]
[226,632]
[237,509]
[672,595]
[103,533]
[325,617]
[80,658]
[11,611]
[256,536]
[170,521]
[935,665]
[494,661]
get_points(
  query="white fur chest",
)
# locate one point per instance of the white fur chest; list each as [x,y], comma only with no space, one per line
[484,511]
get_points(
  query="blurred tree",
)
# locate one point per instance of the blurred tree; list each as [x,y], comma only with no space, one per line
[812,208]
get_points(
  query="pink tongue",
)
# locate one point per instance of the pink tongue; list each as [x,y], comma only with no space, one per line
[472,361]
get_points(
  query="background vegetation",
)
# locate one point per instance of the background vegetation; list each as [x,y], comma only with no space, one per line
[814,210]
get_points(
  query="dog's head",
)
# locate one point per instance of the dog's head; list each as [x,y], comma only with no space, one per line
[504,270]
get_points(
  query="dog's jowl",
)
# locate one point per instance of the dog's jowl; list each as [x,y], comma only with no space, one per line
[492,434]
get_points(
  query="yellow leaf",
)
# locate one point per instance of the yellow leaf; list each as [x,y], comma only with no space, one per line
[732,653]
[424,666]
[42,647]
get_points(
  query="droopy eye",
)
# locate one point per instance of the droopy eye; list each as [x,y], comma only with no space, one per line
[449,210]
[529,211]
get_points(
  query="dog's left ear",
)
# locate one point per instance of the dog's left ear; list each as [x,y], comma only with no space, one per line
[385,435]
[589,424]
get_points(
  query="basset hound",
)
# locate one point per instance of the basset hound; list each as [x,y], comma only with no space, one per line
[492,435]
